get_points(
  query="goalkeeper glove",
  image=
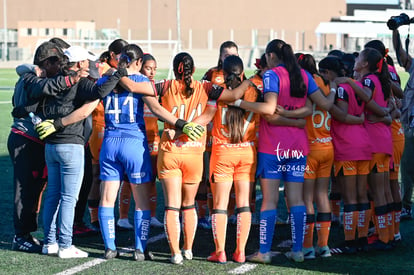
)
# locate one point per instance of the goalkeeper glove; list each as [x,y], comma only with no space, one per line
[48,127]
[193,130]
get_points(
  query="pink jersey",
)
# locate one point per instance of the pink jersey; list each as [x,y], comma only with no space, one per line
[287,141]
[379,133]
[351,141]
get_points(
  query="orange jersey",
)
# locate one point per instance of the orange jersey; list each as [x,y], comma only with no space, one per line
[220,130]
[151,124]
[318,125]
[258,81]
[187,108]
[397,131]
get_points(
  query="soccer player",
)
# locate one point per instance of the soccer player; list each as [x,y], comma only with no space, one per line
[124,135]
[149,69]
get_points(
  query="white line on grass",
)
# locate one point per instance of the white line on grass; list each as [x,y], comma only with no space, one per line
[243,269]
[94,262]
[5,102]
[81,267]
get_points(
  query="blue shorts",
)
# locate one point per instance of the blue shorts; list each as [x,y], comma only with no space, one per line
[129,156]
[288,170]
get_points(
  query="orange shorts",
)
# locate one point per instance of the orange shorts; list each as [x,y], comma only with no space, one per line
[189,167]
[381,161]
[352,168]
[229,163]
[153,146]
[95,142]
[398,148]
[319,163]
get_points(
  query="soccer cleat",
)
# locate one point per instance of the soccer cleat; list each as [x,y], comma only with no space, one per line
[50,249]
[218,257]
[308,253]
[71,252]
[156,223]
[110,254]
[323,251]
[344,250]
[149,256]
[204,223]
[397,237]
[139,255]
[124,224]
[263,258]
[406,213]
[379,245]
[187,254]
[27,244]
[295,256]
[177,259]
[239,257]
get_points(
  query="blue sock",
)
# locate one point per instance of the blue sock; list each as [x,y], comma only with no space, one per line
[142,220]
[267,229]
[107,222]
[297,225]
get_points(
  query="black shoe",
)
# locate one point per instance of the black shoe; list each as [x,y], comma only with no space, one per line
[363,244]
[148,255]
[27,244]
[110,254]
[406,214]
[379,245]
[139,256]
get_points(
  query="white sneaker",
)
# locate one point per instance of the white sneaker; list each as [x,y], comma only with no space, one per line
[187,254]
[177,259]
[50,249]
[71,252]
[156,223]
[124,223]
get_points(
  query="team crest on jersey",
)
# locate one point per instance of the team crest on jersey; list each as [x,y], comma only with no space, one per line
[219,79]
[341,92]
[266,81]
[367,82]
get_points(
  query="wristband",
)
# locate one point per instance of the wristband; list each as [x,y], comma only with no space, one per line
[180,123]
[333,90]
[57,123]
[238,102]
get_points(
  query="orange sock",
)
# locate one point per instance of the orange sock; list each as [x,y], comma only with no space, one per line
[390,225]
[244,221]
[124,200]
[172,229]
[189,226]
[381,223]
[323,228]
[309,227]
[153,200]
[219,227]
[397,217]
[350,221]
[364,217]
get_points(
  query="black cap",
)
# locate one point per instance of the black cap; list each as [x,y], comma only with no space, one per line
[45,51]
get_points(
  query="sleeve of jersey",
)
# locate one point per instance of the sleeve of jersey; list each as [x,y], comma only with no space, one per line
[342,95]
[270,82]
[312,86]
[366,82]
[39,87]
[207,75]
[161,87]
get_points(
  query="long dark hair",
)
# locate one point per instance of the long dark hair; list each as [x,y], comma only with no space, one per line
[284,52]
[183,66]
[225,45]
[332,63]
[233,68]
[378,65]
[129,53]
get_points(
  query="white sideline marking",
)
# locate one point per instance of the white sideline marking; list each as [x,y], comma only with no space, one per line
[243,269]
[94,262]
[5,102]
[81,267]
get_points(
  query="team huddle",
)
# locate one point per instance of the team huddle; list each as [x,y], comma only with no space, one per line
[330,132]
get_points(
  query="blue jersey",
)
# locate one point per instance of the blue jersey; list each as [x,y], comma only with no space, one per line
[124,112]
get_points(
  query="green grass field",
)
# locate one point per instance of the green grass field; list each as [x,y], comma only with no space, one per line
[397,261]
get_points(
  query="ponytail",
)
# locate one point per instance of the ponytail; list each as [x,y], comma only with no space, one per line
[183,69]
